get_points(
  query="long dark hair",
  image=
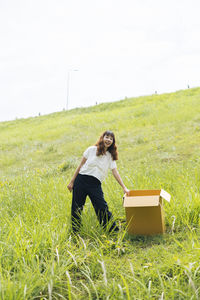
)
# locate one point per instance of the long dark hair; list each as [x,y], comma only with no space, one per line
[112,149]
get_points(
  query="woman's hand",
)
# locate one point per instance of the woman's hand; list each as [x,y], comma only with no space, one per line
[126,191]
[70,186]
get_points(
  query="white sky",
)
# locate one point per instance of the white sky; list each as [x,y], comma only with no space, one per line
[121,48]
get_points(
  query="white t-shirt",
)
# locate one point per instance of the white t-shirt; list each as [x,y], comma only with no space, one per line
[97,166]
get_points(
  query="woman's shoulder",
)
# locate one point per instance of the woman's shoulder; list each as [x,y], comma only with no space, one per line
[92,148]
[89,151]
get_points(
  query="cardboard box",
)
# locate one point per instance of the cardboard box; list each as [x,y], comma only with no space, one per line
[144,211]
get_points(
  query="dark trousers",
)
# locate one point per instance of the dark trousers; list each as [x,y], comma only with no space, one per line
[84,186]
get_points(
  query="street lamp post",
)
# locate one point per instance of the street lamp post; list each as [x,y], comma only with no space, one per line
[68,79]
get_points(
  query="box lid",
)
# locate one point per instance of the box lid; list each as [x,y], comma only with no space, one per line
[165,195]
[142,198]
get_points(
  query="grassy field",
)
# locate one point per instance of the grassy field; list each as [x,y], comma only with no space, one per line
[158,139]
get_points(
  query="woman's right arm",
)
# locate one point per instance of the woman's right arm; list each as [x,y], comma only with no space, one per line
[71,184]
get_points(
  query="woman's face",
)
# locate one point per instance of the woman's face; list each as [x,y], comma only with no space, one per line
[108,140]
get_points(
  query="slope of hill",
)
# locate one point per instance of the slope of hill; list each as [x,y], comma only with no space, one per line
[158,141]
[159,128]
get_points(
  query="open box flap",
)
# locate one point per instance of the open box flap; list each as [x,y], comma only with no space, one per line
[141,201]
[165,195]
[144,197]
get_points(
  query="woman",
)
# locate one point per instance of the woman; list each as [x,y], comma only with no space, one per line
[88,177]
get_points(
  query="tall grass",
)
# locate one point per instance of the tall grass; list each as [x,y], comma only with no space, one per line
[158,148]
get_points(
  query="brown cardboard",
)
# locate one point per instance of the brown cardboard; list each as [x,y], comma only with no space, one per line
[144,211]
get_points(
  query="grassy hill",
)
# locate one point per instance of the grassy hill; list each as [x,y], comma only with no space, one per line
[158,140]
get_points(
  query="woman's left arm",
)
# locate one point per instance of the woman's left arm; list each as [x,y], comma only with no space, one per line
[119,180]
